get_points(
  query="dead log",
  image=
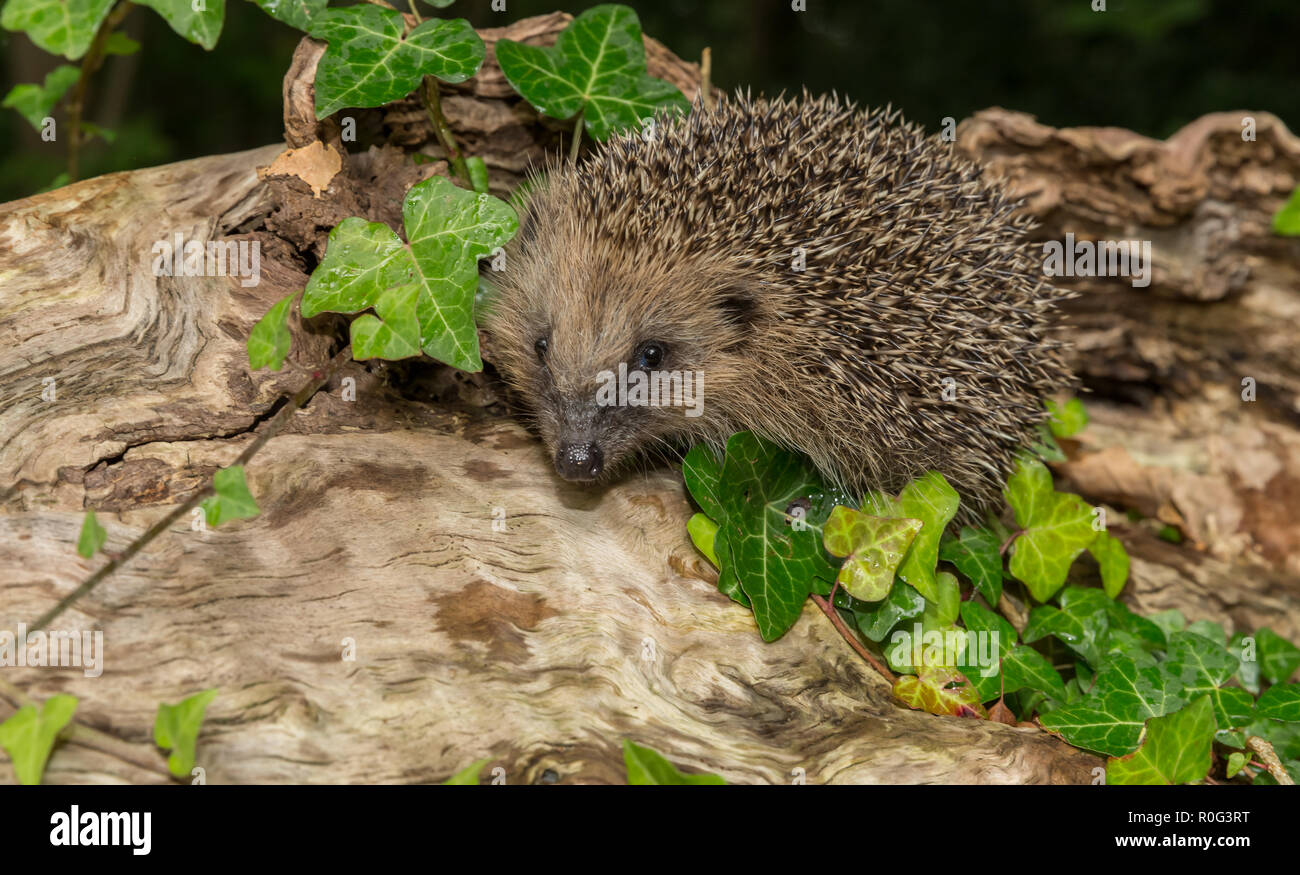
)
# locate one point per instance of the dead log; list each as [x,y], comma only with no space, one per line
[494,610]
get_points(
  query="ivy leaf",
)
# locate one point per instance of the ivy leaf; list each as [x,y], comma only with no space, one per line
[1018,667]
[1113,560]
[977,553]
[939,690]
[118,43]
[874,547]
[1209,629]
[201,26]
[645,766]
[268,342]
[1236,760]
[1057,527]
[875,620]
[176,728]
[1281,702]
[28,736]
[596,67]
[35,102]
[232,501]
[931,500]
[1176,749]
[369,63]
[300,14]
[60,27]
[1248,672]
[1110,720]
[1287,219]
[467,775]
[777,555]
[1047,448]
[92,536]
[1202,667]
[478,173]
[702,470]
[1278,657]
[1068,419]
[702,531]
[423,294]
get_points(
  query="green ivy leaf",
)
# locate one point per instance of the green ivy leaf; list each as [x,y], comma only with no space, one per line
[35,102]
[702,471]
[467,775]
[422,294]
[1281,702]
[478,173]
[1068,419]
[92,536]
[1020,667]
[1248,672]
[176,728]
[232,501]
[702,531]
[931,500]
[1236,760]
[118,43]
[872,548]
[977,553]
[268,342]
[1176,749]
[1047,448]
[1124,697]
[876,620]
[1113,560]
[1202,667]
[1209,629]
[645,767]
[300,14]
[1287,219]
[60,27]
[776,554]
[596,67]
[201,26]
[28,736]
[1278,657]
[369,63]
[1057,527]
[939,690]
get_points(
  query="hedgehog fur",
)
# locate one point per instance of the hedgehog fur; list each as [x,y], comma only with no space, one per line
[918,334]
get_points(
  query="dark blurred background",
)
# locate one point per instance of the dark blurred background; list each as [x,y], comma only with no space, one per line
[1148,65]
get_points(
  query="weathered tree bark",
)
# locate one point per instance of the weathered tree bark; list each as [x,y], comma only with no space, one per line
[494,610]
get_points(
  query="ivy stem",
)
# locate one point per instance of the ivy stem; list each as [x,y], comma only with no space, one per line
[90,64]
[433,106]
[277,422]
[829,610]
[576,140]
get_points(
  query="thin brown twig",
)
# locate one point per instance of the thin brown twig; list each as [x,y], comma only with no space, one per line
[276,423]
[90,64]
[829,610]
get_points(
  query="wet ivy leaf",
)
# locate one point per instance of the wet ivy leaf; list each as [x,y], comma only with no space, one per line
[645,766]
[92,536]
[1113,561]
[931,500]
[876,620]
[300,14]
[1202,667]
[232,500]
[1286,221]
[422,293]
[268,342]
[35,102]
[176,728]
[1176,749]
[939,690]
[1067,419]
[777,555]
[1278,657]
[1110,719]
[1248,657]
[1057,527]
[29,734]
[369,63]
[201,26]
[977,553]
[1281,702]
[872,548]
[596,67]
[1020,668]
[467,775]
[702,531]
[60,27]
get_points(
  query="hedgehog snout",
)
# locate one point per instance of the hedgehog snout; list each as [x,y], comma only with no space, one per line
[580,461]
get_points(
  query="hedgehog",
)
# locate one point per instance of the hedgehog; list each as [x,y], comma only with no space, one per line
[836,282]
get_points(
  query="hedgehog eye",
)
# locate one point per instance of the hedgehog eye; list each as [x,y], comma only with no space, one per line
[650,354]
[541,346]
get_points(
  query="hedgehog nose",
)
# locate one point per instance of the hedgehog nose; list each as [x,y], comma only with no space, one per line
[579,461]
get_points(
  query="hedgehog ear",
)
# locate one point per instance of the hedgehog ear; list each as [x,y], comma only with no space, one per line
[739,307]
